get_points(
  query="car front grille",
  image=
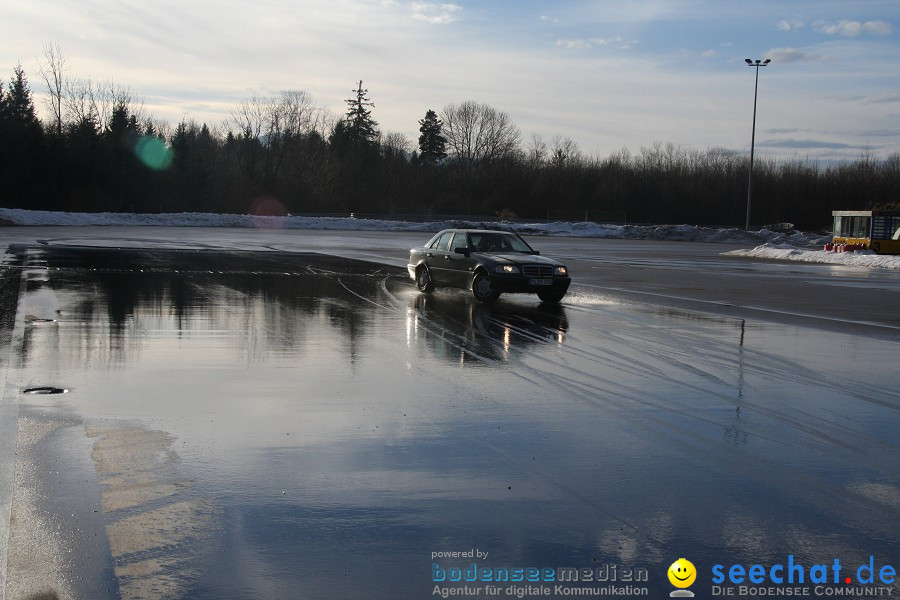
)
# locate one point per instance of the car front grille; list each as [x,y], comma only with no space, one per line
[537,270]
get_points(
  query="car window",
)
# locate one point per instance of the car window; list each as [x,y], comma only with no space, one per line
[459,241]
[486,242]
[498,242]
[516,244]
[443,242]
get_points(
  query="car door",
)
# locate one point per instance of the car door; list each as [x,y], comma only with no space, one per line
[459,265]
[436,259]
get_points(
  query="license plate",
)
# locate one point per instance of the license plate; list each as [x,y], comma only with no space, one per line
[540,282]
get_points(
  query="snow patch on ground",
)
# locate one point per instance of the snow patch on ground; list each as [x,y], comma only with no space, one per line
[864,258]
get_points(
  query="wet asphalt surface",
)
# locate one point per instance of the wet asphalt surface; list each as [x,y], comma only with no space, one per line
[242,425]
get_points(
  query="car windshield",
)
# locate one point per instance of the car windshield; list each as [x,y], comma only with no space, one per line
[498,242]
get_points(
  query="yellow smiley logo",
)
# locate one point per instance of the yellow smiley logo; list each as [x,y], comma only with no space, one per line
[682,573]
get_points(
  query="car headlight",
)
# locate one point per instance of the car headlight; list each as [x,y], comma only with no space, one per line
[506,269]
[561,271]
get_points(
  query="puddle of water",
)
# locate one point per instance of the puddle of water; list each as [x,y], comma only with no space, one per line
[320,430]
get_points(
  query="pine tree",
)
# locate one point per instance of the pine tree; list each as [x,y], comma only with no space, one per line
[360,127]
[431,143]
[18,107]
[22,167]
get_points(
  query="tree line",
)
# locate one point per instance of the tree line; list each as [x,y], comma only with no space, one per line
[99,151]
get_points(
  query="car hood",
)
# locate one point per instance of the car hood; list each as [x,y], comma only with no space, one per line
[518,258]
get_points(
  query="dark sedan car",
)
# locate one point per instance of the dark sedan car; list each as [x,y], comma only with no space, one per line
[487,262]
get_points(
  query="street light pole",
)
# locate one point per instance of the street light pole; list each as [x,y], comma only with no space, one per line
[758,63]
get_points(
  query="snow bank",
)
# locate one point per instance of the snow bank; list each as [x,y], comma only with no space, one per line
[586,229]
[790,252]
[783,246]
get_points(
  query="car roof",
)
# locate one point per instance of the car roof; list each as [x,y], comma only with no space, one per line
[458,230]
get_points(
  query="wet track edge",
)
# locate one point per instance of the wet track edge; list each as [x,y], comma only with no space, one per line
[10,287]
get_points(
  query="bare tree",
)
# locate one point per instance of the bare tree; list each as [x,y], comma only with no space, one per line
[394,143]
[111,97]
[79,102]
[536,151]
[478,134]
[269,128]
[298,114]
[564,151]
[84,101]
[53,69]
[255,121]
[273,119]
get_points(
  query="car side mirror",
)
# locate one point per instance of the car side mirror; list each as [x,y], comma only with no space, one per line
[463,251]
[535,252]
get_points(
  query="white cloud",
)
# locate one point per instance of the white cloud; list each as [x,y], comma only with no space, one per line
[548,19]
[436,14]
[785,25]
[878,27]
[789,55]
[573,44]
[892,98]
[607,41]
[710,54]
[853,28]
[585,44]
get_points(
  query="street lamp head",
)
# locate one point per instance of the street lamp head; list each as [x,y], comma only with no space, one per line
[767,61]
[748,61]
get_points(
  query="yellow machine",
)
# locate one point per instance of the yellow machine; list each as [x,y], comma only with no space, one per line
[876,230]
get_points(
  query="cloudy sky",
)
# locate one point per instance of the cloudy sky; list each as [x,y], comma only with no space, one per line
[609,74]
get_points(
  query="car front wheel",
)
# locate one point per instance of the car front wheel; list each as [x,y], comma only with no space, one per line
[423,280]
[551,296]
[482,288]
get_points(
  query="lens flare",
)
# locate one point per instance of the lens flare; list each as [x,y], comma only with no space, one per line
[267,206]
[153,153]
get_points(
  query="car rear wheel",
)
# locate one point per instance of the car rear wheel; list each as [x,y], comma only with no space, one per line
[423,280]
[482,288]
[551,296]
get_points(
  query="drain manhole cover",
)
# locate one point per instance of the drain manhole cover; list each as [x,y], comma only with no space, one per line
[44,390]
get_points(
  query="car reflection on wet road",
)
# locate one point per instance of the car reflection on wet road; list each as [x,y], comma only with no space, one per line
[267,425]
[472,331]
